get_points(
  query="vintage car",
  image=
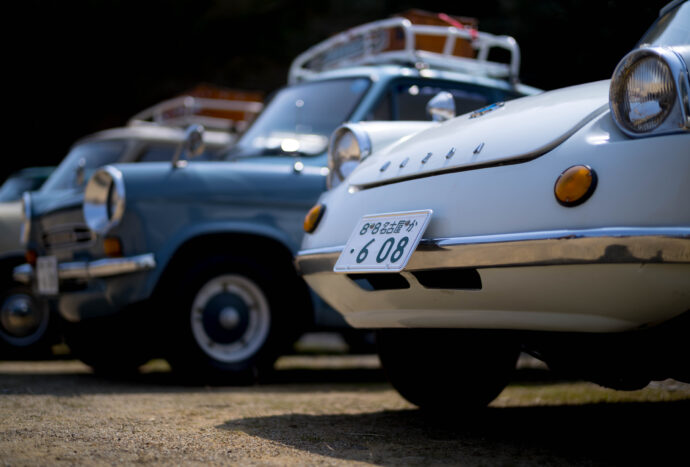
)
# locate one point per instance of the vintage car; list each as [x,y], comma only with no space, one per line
[15,299]
[556,224]
[194,262]
[27,326]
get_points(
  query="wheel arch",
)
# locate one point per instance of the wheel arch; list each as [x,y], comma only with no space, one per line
[223,243]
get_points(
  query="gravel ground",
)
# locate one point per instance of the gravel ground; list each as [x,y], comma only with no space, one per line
[326,410]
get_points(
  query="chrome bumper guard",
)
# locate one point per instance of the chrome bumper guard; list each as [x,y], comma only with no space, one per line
[559,247]
[92,269]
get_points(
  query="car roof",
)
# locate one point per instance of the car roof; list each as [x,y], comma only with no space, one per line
[386,72]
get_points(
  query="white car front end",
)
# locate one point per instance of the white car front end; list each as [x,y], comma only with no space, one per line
[618,261]
[556,224]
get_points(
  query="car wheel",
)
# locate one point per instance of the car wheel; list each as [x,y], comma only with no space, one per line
[234,316]
[447,370]
[26,326]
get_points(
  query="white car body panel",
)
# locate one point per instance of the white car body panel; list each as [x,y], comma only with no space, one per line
[525,133]
[627,195]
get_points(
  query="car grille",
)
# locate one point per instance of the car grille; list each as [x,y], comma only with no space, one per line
[67,236]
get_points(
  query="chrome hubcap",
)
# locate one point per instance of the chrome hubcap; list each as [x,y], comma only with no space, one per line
[22,321]
[230,318]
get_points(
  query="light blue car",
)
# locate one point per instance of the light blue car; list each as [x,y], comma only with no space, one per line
[193,261]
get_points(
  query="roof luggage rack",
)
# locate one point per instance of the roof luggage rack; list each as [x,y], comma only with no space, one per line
[398,41]
[213,113]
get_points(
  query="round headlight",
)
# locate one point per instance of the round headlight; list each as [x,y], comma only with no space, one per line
[644,90]
[348,146]
[104,200]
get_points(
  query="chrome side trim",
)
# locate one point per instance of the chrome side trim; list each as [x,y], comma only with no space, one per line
[92,269]
[556,247]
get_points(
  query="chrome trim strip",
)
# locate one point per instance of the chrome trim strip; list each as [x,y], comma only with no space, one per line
[556,247]
[93,269]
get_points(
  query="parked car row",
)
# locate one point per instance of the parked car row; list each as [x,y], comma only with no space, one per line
[557,224]
[193,260]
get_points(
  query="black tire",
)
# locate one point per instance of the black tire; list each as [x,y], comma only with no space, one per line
[446,370]
[28,329]
[113,346]
[232,316]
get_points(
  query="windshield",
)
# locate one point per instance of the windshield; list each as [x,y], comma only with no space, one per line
[299,119]
[89,155]
[673,28]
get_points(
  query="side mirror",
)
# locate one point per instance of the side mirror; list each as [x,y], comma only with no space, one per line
[441,107]
[192,146]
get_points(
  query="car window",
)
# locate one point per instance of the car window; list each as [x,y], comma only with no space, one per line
[407,99]
[157,153]
[165,153]
[91,155]
[300,118]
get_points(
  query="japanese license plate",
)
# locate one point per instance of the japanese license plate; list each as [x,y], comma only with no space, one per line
[383,242]
[47,275]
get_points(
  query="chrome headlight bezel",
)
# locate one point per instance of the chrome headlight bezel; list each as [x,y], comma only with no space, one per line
[674,117]
[347,147]
[104,200]
[25,230]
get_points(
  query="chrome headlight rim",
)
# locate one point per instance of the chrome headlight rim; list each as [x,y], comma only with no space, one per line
[335,158]
[104,200]
[25,230]
[675,118]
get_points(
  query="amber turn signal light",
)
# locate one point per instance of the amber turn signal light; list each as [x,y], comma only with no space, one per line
[311,220]
[30,257]
[575,185]
[112,247]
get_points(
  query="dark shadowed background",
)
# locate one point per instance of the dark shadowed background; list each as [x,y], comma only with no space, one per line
[79,66]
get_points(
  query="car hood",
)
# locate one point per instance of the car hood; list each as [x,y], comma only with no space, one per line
[521,129]
[259,180]
[56,200]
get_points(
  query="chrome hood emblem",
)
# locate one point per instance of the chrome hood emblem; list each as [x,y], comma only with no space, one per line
[487,109]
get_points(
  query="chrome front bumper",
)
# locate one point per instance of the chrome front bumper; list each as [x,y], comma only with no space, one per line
[92,269]
[549,248]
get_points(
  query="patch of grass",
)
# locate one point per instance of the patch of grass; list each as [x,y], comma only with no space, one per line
[586,393]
